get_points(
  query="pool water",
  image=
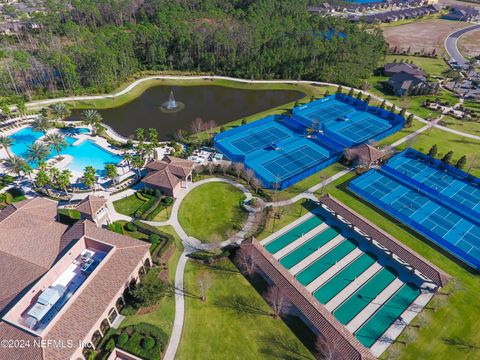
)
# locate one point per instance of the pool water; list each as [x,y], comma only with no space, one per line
[85,154]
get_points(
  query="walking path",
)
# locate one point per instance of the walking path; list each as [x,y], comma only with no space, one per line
[40,103]
[176,335]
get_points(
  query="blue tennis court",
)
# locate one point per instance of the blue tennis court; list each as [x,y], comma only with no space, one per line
[437,218]
[314,114]
[255,140]
[283,150]
[364,129]
[294,161]
[428,173]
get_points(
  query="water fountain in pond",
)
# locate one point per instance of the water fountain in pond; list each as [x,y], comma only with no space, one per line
[172,105]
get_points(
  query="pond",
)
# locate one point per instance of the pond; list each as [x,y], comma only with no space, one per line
[221,104]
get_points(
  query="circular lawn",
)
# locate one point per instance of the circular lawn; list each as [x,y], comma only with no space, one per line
[211,211]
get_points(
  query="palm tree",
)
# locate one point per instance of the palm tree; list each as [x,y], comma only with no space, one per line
[6,142]
[137,163]
[128,158]
[37,152]
[60,111]
[89,178]
[21,108]
[14,165]
[28,171]
[63,180]
[91,118]
[42,124]
[112,173]
[56,141]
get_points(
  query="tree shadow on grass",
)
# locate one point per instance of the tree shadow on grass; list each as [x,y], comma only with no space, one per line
[460,343]
[242,305]
[281,347]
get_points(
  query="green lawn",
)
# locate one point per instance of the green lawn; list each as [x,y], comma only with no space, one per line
[287,214]
[471,127]
[234,322]
[212,210]
[128,205]
[164,313]
[445,142]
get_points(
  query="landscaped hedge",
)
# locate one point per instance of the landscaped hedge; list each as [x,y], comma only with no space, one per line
[143,340]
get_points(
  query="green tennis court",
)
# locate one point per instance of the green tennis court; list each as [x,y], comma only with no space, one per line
[387,314]
[344,278]
[363,296]
[292,235]
[308,248]
[326,262]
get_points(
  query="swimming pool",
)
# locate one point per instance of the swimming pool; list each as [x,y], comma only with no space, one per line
[85,154]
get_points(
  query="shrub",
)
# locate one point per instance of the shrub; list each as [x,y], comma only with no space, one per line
[154,239]
[158,193]
[168,200]
[131,227]
[110,344]
[122,339]
[147,343]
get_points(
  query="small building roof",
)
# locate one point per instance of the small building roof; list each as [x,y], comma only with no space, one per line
[396,68]
[168,172]
[91,204]
[364,153]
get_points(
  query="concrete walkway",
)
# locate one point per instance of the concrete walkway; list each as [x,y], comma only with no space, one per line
[176,334]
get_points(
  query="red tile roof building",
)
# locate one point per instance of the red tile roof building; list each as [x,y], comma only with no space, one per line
[34,251]
[168,174]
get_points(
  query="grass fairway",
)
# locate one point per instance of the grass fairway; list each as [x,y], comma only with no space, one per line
[234,322]
[212,210]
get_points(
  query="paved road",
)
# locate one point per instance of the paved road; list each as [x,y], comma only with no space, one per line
[451,44]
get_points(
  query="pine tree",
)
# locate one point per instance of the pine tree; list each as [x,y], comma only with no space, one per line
[461,162]
[447,159]
[433,151]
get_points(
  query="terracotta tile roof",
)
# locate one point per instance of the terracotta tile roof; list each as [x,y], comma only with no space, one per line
[91,204]
[439,277]
[31,352]
[364,153]
[29,230]
[17,274]
[347,347]
[168,172]
[86,309]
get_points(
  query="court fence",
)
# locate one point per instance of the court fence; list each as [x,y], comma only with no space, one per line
[433,193]
[449,247]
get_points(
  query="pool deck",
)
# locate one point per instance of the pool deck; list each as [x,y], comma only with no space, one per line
[67,159]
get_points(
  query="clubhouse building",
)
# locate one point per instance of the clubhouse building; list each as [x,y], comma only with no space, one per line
[61,287]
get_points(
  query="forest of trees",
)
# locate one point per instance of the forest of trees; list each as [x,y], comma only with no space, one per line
[93,45]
